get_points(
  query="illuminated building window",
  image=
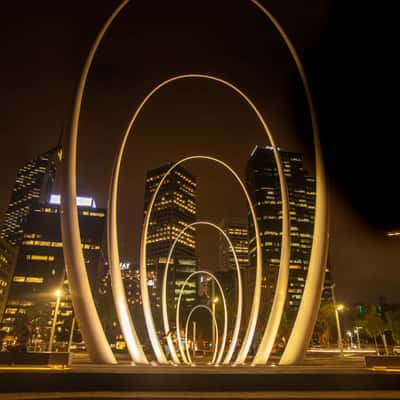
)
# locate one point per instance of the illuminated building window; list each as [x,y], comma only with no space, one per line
[38,257]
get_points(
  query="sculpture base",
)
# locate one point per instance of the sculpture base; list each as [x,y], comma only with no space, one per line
[127,379]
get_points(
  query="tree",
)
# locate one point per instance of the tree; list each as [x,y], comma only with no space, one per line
[39,316]
[393,321]
[22,331]
[325,324]
[32,326]
[375,326]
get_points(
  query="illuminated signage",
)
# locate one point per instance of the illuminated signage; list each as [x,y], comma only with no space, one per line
[124,266]
[80,201]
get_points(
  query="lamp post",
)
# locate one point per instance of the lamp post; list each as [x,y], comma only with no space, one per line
[337,307]
[350,335]
[339,330]
[356,331]
[71,335]
[215,300]
[53,326]
[194,339]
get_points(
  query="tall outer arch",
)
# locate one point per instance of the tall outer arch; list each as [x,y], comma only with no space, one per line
[283,276]
[85,310]
[309,305]
[239,308]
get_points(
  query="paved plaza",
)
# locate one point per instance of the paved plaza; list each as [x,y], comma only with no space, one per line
[320,376]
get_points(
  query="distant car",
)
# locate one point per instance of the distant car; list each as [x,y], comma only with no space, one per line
[396,350]
[78,347]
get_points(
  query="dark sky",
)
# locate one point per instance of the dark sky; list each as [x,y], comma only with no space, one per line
[346,51]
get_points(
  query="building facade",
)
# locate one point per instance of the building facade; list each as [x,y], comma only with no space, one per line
[130,273]
[40,271]
[263,185]
[237,231]
[33,185]
[8,257]
[174,209]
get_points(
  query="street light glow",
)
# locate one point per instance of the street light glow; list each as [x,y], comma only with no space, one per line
[58,293]
[340,307]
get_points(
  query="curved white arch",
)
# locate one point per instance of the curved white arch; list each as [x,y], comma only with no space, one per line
[239,309]
[143,268]
[178,309]
[85,310]
[214,325]
[283,276]
[311,299]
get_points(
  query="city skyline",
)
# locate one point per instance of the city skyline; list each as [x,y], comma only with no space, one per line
[174,209]
[205,240]
[94,180]
[199,199]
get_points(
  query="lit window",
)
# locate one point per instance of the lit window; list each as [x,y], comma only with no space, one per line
[34,279]
[37,257]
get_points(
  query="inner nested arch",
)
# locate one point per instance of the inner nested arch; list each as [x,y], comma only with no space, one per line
[177,315]
[238,318]
[143,247]
[116,281]
[214,327]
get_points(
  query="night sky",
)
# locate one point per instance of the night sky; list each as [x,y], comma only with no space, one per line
[346,52]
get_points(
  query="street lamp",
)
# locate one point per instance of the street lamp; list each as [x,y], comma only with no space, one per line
[194,340]
[58,294]
[357,332]
[350,335]
[339,330]
[71,334]
[337,307]
[215,300]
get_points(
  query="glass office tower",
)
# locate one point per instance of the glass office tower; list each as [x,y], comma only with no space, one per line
[33,184]
[263,184]
[174,209]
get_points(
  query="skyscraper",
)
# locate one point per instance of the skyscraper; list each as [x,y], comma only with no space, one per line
[237,231]
[263,185]
[33,185]
[40,268]
[131,279]
[8,255]
[174,209]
